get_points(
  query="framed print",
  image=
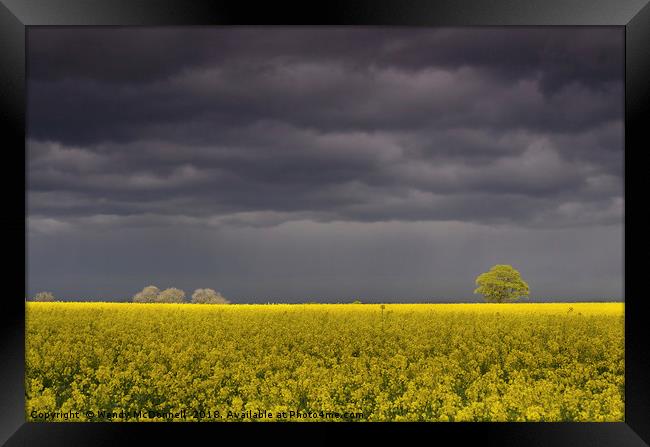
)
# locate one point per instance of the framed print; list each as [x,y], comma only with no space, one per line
[344,217]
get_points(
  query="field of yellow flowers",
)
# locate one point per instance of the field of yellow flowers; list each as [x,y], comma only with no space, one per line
[314,362]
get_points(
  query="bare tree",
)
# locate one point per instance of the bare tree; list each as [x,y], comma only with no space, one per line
[148,295]
[171,295]
[208,296]
[44,297]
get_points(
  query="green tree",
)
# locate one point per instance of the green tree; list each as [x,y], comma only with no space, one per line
[44,296]
[208,296]
[501,284]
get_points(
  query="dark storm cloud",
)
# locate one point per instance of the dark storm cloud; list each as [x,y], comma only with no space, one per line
[137,131]
[557,55]
[217,106]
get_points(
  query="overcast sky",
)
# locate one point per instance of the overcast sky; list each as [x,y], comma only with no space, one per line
[325,164]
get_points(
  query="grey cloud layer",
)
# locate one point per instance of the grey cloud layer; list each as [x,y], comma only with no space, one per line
[485,125]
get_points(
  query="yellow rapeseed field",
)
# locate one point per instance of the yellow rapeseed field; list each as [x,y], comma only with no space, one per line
[335,362]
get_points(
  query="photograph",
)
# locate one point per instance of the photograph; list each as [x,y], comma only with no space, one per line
[325,224]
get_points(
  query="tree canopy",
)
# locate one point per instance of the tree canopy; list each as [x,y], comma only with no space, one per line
[152,294]
[171,295]
[148,295]
[208,296]
[44,296]
[501,284]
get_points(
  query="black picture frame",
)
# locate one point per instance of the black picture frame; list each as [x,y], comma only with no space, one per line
[16,15]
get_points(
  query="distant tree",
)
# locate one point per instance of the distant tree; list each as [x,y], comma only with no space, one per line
[171,295]
[148,295]
[501,284]
[356,302]
[44,296]
[208,296]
